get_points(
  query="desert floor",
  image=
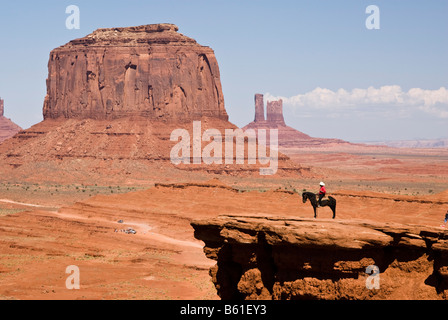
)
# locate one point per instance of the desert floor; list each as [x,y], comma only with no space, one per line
[44,228]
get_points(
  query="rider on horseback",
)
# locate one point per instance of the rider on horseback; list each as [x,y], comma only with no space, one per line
[322,193]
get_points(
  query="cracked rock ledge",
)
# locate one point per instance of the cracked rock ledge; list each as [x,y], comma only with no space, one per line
[296,258]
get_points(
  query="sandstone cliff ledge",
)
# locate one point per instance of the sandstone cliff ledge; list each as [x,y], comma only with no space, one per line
[284,258]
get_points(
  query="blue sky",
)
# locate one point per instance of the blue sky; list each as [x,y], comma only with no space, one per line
[337,78]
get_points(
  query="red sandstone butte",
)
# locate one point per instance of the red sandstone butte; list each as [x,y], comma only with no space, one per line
[113,99]
[151,71]
[7,128]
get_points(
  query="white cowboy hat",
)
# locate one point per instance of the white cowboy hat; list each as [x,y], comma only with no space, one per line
[322,184]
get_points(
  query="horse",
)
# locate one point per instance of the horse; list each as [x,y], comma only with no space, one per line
[331,202]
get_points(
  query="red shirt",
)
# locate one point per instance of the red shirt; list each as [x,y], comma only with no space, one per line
[322,190]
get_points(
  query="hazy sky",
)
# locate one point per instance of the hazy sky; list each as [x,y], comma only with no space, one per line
[338,78]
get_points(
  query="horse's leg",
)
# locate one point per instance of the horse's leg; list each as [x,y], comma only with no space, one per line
[315,212]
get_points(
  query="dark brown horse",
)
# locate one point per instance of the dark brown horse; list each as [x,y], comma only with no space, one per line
[331,202]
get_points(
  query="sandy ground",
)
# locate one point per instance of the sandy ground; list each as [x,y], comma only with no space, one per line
[43,231]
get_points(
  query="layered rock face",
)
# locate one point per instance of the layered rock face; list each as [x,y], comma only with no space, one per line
[285,258]
[7,128]
[275,112]
[151,71]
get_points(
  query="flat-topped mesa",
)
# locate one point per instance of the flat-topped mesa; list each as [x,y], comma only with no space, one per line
[151,71]
[2,106]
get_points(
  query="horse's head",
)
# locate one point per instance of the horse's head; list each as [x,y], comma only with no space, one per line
[304,197]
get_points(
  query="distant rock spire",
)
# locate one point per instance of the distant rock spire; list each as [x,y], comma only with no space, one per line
[2,107]
[259,108]
[275,112]
[7,128]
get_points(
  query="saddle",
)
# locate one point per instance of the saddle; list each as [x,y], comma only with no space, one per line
[326,197]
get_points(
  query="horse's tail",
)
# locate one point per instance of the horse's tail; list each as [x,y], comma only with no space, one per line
[332,201]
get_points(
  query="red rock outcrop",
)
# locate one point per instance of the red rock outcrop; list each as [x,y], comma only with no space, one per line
[7,128]
[288,137]
[274,112]
[114,151]
[115,97]
[297,258]
[259,108]
[151,71]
